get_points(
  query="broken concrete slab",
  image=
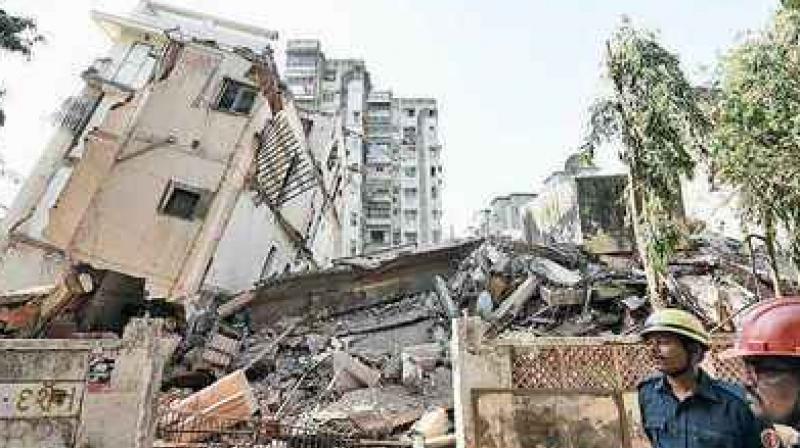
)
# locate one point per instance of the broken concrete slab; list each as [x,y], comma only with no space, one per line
[446,301]
[432,424]
[440,441]
[554,272]
[419,359]
[563,296]
[219,352]
[517,300]
[350,373]
[608,291]
[376,412]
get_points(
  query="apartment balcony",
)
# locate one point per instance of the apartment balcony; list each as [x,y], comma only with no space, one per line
[379,221]
[380,97]
[129,74]
[378,120]
[303,45]
[409,182]
[76,111]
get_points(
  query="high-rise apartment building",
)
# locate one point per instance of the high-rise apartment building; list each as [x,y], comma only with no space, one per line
[393,150]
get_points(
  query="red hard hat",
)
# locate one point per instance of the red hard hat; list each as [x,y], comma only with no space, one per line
[771,328]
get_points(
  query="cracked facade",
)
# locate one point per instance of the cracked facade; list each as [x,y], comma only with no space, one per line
[181,162]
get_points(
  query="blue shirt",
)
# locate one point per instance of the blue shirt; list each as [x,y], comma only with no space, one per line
[715,416]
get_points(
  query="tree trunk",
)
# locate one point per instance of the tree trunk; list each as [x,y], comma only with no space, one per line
[654,289]
[769,236]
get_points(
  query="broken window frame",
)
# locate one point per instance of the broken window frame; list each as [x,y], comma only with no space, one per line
[236,106]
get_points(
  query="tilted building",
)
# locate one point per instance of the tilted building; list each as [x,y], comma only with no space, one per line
[183,163]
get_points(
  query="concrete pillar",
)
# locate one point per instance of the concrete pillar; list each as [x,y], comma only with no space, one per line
[478,365]
[125,415]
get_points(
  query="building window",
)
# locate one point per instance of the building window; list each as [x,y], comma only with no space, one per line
[327,97]
[377,236]
[307,124]
[411,171]
[353,247]
[333,157]
[330,75]
[410,193]
[356,115]
[431,112]
[236,97]
[181,201]
[396,239]
[410,112]
[433,171]
[434,193]
[354,219]
[411,237]
[431,128]
[410,135]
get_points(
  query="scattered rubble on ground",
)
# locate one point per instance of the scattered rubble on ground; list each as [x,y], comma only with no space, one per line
[362,350]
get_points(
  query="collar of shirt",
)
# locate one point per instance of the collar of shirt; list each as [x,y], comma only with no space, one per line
[705,387]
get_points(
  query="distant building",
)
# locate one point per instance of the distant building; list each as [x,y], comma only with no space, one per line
[581,206]
[393,151]
[503,218]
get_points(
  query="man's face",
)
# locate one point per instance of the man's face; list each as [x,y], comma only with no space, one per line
[775,387]
[668,352]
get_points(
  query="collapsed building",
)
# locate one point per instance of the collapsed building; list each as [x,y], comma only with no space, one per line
[185,171]
[182,167]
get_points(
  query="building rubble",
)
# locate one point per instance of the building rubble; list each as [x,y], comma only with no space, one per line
[372,361]
[362,350]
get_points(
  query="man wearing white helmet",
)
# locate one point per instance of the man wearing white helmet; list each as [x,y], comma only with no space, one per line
[683,406]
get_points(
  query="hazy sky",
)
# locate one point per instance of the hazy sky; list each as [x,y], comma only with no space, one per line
[513,78]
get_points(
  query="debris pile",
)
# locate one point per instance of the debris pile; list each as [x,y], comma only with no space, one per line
[372,361]
[369,370]
[362,349]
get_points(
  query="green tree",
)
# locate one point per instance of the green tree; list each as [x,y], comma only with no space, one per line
[653,113]
[17,35]
[791,4]
[756,138]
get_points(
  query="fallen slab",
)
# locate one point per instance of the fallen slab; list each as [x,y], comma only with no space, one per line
[351,374]
[554,272]
[225,403]
[432,424]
